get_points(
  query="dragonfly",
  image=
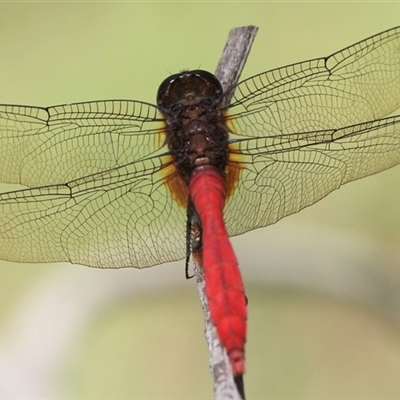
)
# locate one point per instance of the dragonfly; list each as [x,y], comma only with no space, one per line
[117,183]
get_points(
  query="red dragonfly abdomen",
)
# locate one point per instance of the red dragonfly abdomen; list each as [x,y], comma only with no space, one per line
[224,285]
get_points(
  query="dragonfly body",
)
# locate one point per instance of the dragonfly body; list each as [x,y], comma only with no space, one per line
[108,183]
[197,137]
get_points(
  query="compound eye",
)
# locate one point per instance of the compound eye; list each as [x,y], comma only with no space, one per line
[211,78]
[164,88]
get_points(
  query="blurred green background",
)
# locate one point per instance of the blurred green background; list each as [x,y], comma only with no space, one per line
[323,285]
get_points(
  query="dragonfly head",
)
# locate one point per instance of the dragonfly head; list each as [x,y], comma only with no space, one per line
[189,88]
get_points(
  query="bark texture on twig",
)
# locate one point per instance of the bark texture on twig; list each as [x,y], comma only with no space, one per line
[234,57]
[228,71]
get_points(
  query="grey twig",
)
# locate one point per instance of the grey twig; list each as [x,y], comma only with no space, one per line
[234,56]
[228,71]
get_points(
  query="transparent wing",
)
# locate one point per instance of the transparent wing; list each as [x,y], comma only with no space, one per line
[43,146]
[359,83]
[102,199]
[297,132]
[281,175]
[124,217]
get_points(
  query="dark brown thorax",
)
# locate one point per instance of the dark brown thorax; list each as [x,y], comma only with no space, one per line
[197,135]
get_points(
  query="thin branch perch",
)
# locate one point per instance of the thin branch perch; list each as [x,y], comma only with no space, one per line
[228,71]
